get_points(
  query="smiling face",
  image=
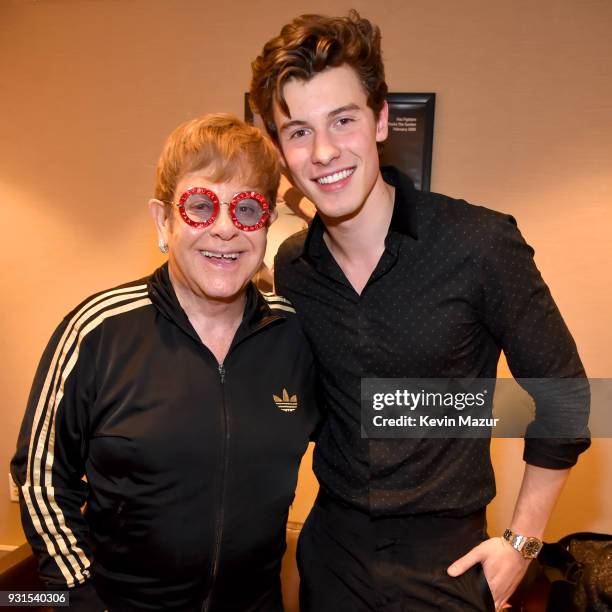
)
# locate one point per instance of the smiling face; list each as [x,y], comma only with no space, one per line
[329,143]
[214,263]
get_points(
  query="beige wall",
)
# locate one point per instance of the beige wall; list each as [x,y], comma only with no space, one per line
[90,88]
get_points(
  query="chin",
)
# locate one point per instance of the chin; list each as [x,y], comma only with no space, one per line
[227,298]
[338,213]
[336,205]
[226,293]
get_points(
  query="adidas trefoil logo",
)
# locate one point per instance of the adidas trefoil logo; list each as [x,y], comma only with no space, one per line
[286,403]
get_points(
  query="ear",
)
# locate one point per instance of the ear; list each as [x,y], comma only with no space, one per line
[273,217]
[159,214]
[382,123]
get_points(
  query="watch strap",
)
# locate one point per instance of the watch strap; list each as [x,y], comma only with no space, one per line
[528,546]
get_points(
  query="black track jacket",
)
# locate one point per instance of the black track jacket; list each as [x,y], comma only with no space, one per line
[190,465]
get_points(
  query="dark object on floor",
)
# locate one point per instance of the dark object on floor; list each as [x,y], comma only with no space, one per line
[571,575]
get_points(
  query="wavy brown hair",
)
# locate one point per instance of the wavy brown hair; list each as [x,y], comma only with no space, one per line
[310,44]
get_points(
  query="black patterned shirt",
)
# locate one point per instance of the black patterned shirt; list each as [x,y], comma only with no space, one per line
[456,284]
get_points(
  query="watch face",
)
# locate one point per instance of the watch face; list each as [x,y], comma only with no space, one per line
[532,548]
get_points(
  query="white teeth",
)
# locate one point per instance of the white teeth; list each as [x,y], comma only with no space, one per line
[335,177]
[231,256]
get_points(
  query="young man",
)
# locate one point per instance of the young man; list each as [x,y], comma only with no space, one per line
[390,282]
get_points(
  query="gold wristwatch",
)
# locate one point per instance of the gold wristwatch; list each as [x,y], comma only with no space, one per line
[529,547]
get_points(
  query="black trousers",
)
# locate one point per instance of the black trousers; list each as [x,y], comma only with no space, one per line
[269,599]
[349,562]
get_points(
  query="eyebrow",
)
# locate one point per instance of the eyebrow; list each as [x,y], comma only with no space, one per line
[337,111]
[344,109]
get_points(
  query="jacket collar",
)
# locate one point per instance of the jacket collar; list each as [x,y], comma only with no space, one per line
[257,313]
[403,220]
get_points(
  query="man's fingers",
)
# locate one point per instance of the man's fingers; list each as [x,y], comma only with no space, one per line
[464,563]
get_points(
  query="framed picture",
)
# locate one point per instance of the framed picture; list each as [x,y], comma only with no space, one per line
[409,145]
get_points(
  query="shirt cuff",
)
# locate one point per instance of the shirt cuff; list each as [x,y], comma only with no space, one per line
[552,453]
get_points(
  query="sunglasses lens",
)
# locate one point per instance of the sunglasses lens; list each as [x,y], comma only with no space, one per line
[199,207]
[248,211]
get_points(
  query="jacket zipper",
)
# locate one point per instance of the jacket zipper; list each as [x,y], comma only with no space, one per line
[221,509]
[219,522]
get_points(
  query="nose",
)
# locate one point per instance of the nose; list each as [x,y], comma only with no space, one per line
[324,148]
[223,226]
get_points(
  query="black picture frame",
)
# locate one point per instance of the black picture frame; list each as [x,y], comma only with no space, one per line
[409,144]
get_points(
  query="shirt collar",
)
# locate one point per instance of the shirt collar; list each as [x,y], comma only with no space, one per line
[403,220]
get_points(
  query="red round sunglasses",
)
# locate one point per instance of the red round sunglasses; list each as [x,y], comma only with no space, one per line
[199,207]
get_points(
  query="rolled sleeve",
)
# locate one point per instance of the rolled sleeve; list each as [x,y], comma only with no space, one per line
[521,314]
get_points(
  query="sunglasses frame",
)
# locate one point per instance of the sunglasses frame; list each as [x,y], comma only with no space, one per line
[236,199]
